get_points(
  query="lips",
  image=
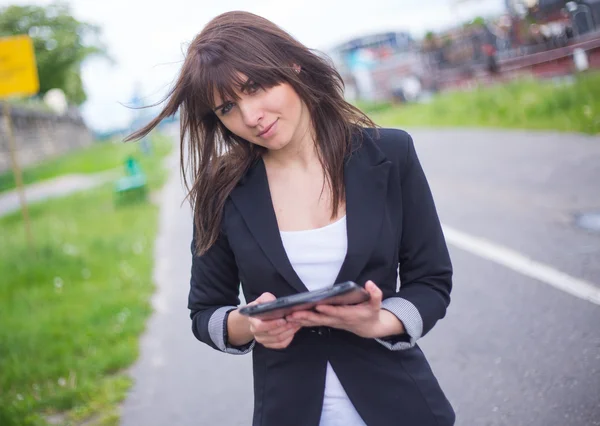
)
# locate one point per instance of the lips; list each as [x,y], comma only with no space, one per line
[267,128]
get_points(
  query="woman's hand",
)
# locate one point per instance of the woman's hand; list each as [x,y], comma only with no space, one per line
[365,319]
[273,334]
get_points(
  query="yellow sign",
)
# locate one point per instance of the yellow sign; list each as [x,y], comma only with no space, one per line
[18,71]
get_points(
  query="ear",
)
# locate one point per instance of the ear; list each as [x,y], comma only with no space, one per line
[297,68]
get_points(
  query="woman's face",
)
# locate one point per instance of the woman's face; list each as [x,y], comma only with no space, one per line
[271,118]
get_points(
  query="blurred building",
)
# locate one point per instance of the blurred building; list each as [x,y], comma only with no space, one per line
[585,16]
[538,38]
[547,35]
[537,20]
[361,61]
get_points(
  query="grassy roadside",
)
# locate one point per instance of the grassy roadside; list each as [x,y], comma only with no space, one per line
[71,310]
[98,157]
[525,104]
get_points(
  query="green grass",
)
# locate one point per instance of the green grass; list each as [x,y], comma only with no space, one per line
[525,104]
[71,309]
[98,157]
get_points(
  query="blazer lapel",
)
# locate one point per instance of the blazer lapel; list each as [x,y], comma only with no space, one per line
[253,199]
[366,179]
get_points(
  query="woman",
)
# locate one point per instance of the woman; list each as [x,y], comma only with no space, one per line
[294,190]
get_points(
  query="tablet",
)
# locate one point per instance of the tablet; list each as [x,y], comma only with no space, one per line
[347,293]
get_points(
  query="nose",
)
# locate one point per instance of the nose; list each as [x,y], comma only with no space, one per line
[251,112]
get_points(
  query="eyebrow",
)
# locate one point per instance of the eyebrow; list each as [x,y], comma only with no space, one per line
[243,87]
[220,106]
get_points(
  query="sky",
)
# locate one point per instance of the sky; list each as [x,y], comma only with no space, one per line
[147,39]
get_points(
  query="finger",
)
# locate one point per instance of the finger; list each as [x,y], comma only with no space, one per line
[344,311]
[282,337]
[283,329]
[260,326]
[334,311]
[303,315]
[308,318]
[280,345]
[351,312]
[287,333]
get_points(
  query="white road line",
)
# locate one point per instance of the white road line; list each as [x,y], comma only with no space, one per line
[517,262]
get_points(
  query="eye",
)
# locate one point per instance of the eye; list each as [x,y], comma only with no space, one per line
[226,108]
[252,87]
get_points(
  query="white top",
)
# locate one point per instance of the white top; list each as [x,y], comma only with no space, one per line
[317,256]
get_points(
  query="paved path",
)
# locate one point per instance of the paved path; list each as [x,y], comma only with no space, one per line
[52,188]
[178,380]
[512,350]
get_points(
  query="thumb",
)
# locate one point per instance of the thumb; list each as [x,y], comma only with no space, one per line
[374,292]
[265,297]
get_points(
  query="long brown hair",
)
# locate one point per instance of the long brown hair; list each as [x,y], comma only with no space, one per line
[237,43]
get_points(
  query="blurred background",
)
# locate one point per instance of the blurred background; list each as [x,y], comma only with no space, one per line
[502,98]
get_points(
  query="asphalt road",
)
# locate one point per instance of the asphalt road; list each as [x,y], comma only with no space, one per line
[512,350]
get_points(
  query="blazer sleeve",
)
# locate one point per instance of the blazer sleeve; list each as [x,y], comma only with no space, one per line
[425,266]
[214,292]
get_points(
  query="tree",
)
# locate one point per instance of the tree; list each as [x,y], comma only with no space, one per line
[61,44]
[429,41]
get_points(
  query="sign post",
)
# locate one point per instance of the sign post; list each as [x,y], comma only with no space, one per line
[18,76]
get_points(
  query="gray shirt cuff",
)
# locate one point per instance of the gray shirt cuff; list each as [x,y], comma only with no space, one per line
[410,317]
[217,328]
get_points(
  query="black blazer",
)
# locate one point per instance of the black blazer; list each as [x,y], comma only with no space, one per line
[391,221]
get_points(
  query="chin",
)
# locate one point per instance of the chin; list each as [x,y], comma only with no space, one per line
[276,145]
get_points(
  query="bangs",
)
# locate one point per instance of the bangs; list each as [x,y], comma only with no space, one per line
[228,78]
